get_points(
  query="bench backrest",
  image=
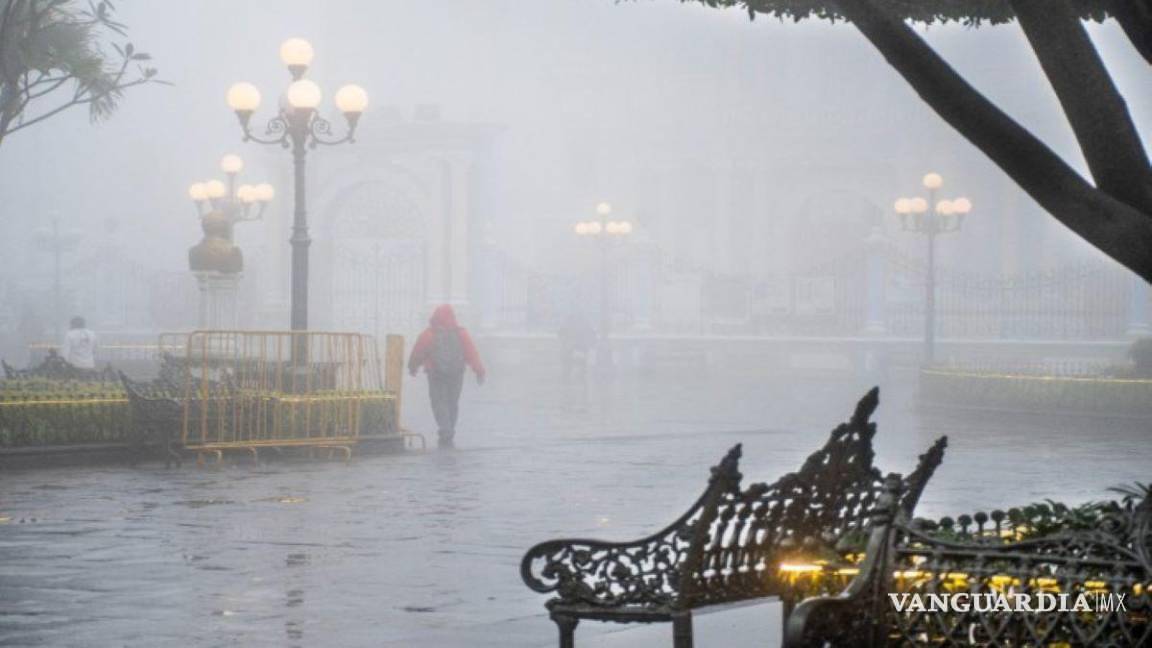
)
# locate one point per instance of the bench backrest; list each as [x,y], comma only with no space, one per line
[1110,559]
[824,508]
[912,561]
[54,367]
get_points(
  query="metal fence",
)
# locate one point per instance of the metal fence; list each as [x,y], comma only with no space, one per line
[252,389]
[1076,301]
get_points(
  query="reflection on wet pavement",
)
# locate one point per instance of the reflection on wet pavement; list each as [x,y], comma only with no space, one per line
[394,549]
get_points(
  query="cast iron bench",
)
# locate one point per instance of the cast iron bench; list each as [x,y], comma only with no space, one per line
[54,367]
[983,555]
[156,417]
[157,407]
[729,545]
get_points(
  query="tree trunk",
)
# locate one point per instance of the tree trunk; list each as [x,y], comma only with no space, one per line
[1098,114]
[1117,229]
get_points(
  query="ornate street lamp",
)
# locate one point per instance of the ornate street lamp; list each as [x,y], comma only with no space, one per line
[602,230]
[238,203]
[298,126]
[215,260]
[931,217]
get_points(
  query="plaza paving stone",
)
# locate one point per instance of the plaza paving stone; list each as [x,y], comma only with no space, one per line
[424,549]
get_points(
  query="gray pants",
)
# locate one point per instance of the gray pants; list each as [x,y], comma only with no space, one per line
[444,392]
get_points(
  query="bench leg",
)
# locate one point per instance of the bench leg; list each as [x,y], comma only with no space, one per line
[567,627]
[682,630]
[787,604]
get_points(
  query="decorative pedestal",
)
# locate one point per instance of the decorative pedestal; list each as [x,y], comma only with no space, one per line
[218,301]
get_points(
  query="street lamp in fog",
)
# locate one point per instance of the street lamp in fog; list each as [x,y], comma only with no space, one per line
[603,231]
[237,202]
[931,217]
[215,260]
[298,126]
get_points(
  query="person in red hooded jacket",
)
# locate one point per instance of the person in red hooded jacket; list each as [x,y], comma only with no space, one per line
[445,350]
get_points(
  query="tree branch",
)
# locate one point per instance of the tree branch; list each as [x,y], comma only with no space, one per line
[1114,227]
[1094,107]
[1135,18]
[78,99]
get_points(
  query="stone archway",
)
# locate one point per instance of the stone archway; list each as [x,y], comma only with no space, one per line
[378,258]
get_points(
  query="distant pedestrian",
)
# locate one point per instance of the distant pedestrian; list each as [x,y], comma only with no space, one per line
[577,338]
[445,349]
[80,345]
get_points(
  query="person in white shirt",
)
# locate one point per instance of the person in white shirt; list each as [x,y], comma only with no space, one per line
[80,345]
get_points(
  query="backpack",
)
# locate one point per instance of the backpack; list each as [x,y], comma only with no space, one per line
[448,353]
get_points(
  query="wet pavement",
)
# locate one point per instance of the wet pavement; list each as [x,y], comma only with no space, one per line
[424,549]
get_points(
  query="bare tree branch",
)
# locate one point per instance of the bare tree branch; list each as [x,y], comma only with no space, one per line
[1116,228]
[1094,107]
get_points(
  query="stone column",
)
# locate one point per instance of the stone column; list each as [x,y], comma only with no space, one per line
[218,301]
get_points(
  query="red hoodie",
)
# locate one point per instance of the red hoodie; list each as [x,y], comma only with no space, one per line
[443,318]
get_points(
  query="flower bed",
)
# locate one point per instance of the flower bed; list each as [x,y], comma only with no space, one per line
[1037,393]
[42,412]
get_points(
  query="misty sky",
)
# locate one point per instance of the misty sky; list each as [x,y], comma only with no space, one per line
[591,95]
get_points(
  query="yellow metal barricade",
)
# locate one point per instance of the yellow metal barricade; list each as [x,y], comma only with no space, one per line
[253,389]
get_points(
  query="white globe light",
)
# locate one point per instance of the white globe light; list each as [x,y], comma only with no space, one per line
[604,209]
[231,163]
[918,205]
[246,193]
[296,52]
[944,208]
[612,227]
[933,181]
[625,227]
[903,206]
[264,192]
[198,191]
[304,94]
[351,99]
[581,228]
[243,97]
[594,227]
[215,189]
[962,205]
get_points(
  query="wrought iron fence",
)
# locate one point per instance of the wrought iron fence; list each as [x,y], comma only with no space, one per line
[1076,301]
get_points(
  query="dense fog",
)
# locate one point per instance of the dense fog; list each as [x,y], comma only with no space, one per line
[751,150]
[665,230]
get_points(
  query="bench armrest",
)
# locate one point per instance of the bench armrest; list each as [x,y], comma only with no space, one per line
[853,616]
[608,574]
[641,572]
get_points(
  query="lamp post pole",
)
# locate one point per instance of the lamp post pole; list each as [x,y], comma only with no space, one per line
[602,229]
[301,241]
[930,302]
[57,283]
[298,127]
[931,217]
[57,242]
[604,349]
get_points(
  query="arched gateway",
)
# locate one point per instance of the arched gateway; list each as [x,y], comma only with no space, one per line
[378,257]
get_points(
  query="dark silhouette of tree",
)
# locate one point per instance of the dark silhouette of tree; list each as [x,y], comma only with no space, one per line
[52,58]
[1113,209]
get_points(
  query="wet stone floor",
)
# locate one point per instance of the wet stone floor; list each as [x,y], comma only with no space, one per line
[424,549]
